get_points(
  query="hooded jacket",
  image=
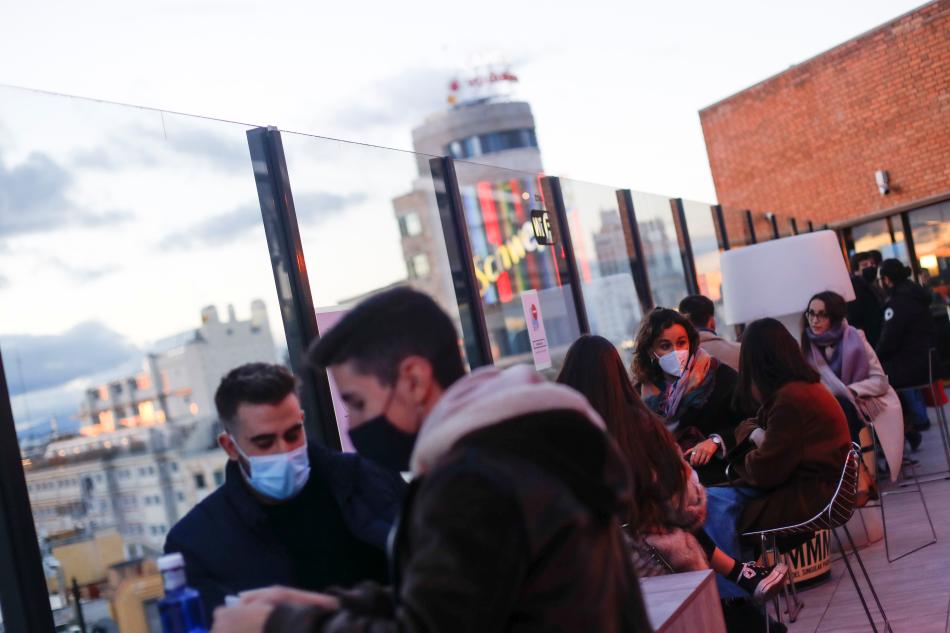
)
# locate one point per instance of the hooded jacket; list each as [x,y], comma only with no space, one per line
[511,522]
[907,335]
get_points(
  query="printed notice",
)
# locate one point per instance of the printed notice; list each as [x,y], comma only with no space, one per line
[535,324]
[326,319]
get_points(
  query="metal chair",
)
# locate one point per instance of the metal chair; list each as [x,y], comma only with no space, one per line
[834,515]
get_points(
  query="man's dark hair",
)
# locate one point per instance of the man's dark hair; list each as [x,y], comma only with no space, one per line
[769,359]
[253,383]
[698,309]
[895,270]
[874,256]
[382,331]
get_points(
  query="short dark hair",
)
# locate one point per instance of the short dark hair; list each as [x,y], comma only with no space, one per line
[382,331]
[874,256]
[835,307]
[698,309]
[895,270]
[252,383]
[646,369]
[769,359]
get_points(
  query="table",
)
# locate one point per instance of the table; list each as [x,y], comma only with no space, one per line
[683,603]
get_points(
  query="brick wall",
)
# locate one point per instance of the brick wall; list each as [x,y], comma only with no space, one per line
[806,143]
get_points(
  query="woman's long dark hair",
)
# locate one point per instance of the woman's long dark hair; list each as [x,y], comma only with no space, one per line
[646,369]
[769,359]
[594,368]
[837,310]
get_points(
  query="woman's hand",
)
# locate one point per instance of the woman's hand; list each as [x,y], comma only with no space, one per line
[700,454]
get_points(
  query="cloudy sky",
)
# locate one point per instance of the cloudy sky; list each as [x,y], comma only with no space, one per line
[117,225]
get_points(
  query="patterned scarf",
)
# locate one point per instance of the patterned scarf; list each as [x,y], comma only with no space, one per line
[848,361]
[690,391]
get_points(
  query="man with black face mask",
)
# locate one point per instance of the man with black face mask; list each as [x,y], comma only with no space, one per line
[511,522]
[865,312]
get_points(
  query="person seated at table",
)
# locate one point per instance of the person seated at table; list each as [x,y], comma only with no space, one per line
[789,458]
[289,512]
[666,524]
[689,389]
[851,370]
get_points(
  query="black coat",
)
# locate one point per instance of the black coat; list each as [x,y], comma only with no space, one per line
[907,335]
[229,546]
[865,311]
[516,530]
[719,416]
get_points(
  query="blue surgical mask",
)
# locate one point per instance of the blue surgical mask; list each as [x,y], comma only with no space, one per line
[279,476]
[674,363]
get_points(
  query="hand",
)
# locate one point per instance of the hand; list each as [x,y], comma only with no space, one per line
[241,618]
[700,454]
[273,596]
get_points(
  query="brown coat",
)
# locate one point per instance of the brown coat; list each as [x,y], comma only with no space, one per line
[799,461]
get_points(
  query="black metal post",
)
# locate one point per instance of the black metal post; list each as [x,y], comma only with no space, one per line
[719,220]
[811,226]
[24,598]
[77,604]
[686,246]
[792,222]
[774,222]
[551,186]
[911,247]
[750,227]
[635,252]
[290,276]
[461,262]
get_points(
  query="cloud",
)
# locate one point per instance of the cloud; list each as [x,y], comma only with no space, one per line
[35,362]
[312,207]
[82,274]
[401,101]
[140,146]
[34,198]
[4,282]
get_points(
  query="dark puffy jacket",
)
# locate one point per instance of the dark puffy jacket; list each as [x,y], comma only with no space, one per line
[229,546]
[864,312]
[907,335]
[514,530]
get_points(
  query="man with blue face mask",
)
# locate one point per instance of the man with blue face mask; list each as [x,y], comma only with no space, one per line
[289,512]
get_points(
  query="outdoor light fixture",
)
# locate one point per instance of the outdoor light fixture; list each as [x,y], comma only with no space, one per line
[883,181]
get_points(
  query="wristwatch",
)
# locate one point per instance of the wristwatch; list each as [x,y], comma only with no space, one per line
[716,440]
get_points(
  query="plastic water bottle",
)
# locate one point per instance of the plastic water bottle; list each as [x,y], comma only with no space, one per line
[181,609]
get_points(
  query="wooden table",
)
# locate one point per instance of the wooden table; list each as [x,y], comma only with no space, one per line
[683,603]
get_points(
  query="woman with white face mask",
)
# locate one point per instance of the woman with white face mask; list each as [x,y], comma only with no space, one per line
[688,388]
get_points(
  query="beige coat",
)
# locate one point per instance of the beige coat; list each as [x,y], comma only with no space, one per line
[876,400]
[726,351]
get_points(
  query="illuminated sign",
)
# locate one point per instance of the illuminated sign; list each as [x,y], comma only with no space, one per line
[506,256]
[541,227]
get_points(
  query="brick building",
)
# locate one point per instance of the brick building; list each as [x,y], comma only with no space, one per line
[807,143]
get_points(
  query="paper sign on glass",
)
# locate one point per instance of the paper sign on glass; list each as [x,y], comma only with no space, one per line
[535,324]
[326,319]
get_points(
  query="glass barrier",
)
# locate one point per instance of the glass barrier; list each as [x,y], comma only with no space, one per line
[660,249]
[702,237]
[885,235]
[931,230]
[369,221]
[126,236]
[525,291]
[600,249]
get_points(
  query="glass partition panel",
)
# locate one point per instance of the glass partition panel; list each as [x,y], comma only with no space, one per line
[126,236]
[514,271]
[600,248]
[702,237]
[660,249]
[931,229]
[885,235]
[369,221]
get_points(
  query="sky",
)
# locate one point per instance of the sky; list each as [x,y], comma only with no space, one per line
[117,225]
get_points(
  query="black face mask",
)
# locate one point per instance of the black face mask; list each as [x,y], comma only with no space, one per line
[869,274]
[377,439]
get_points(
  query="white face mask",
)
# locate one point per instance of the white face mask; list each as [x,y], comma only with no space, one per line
[674,363]
[279,476]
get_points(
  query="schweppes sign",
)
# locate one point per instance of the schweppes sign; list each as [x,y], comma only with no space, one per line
[506,256]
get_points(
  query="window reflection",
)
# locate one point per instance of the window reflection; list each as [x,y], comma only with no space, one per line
[660,248]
